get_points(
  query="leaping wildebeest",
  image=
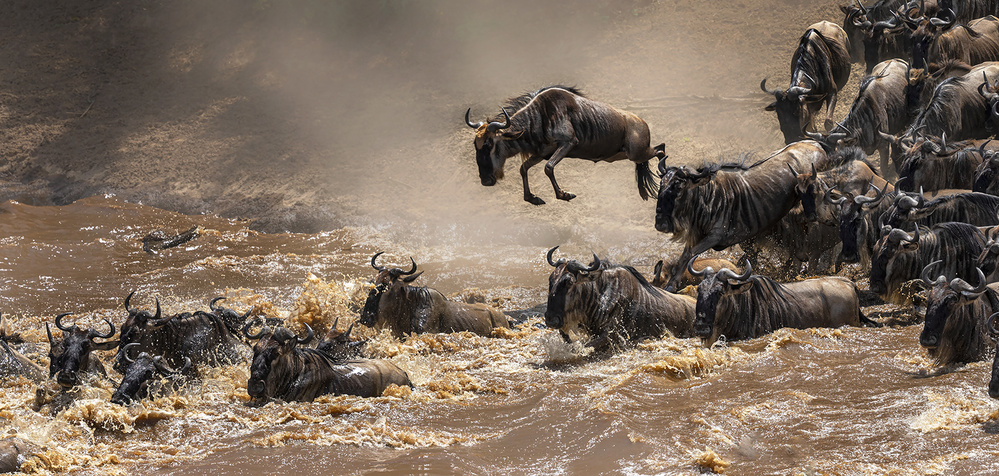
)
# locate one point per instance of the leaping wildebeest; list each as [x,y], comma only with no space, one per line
[71,356]
[723,205]
[820,68]
[613,304]
[404,309]
[283,370]
[746,306]
[955,327]
[556,122]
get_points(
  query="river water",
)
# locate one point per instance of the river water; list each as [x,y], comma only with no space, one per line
[824,401]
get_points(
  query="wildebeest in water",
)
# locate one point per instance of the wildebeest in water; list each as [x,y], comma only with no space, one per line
[955,327]
[556,122]
[71,356]
[613,304]
[283,370]
[405,309]
[143,371]
[13,362]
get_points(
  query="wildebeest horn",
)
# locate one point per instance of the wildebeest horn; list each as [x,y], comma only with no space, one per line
[157,321]
[964,288]
[991,322]
[815,136]
[246,330]
[473,125]
[915,236]
[58,322]
[127,298]
[985,89]
[888,137]
[726,273]
[349,328]
[870,202]
[308,337]
[48,331]
[995,109]
[981,148]
[593,266]
[662,166]
[410,279]
[694,272]
[373,265]
[93,334]
[836,201]
[549,256]
[495,126]
[925,274]
[937,21]
[763,86]
[795,172]
[211,305]
[127,352]
[411,270]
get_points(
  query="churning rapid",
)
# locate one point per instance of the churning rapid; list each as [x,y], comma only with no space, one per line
[122,123]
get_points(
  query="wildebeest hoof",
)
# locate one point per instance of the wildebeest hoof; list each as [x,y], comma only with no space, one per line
[535,200]
[566,196]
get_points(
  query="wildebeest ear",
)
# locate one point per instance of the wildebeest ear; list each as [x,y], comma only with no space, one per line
[513,134]
[843,9]
[910,245]
[771,107]
[741,287]
[111,344]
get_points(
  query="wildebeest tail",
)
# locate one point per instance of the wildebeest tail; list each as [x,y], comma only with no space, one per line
[648,182]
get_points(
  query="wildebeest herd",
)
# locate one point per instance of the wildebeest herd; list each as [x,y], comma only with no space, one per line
[925,215]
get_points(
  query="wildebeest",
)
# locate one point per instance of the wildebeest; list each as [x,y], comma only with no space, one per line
[556,122]
[747,306]
[854,176]
[661,267]
[13,362]
[338,344]
[936,164]
[881,105]
[975,208]
[206,338]
[614,304]
[857,230]
[142,371]
[899,257]
[404,309]
[283,370]
[956,108]
[986,176]
[955,327]
[858,24]
[71,356]
[820,68]
[719,206]
[975,42]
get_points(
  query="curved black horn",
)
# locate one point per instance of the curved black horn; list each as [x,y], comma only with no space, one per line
[763,86]
[473,125]
[410,279]
[963,287]
[94,335]
[127,299]
[549,256]
[915,236]
[495,126]
[795,172]
[694,272]
[411,270]
[127,352]
[373,265]
[246,331]
[157,321]
[991,322]
[925,274]
[879,194]
[308,337]
[211,305]
[58,322]
[595,265]
[942,22]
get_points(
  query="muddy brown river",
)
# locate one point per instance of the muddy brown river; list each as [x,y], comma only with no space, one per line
[822,401]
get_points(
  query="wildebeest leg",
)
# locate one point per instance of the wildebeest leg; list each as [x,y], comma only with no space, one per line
[528,196]
[830,108]
[556,157]
[887,168]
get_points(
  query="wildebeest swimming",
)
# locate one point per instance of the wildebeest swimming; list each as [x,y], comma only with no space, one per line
[13,362]
[749,305]
[283,370]
[142,371]
[206,338]
[404,309]
[71,355]
[955,327]
[613,304]
[556,122]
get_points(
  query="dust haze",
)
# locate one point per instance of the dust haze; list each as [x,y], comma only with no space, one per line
[313,115]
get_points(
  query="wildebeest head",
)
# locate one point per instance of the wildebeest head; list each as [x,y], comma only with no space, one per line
[489,143]
[985,175]
[142,369]
[878,36]
[807,187]
[385,279]
[852,226]
[338,344]
[926,30]
[790,106]
[271,344]
[673,183]
[943,299]
[71,355]
[894,242]
[989,258]
[565,275]
[135,326]
[856,25]
[714,286]
[232,319]
[908,207]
